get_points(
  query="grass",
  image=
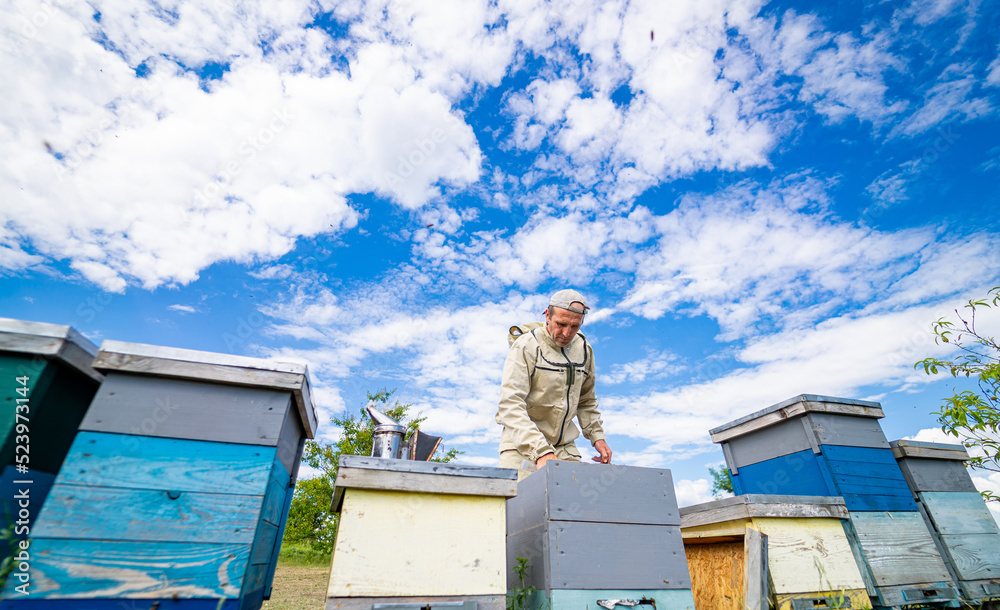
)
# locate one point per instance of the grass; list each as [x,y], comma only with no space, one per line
[300,580]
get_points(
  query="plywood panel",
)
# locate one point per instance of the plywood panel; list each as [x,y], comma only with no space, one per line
[454,545]
[898,548]
[180,408]
[974,556]
[116,569]
[98,458]
[116,513]
[808,555]
[923,474]
[959,512]
[616,555]
[717,575]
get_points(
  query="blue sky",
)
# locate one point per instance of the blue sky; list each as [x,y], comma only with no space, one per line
[759,200]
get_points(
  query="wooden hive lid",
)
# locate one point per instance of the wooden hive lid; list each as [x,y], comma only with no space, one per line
[56,341]
[794,407]
[364,472]
[211,366]
[747,506]
[919,449]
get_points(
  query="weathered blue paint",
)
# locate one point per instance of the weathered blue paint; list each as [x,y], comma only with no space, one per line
[131,569]
[868,478]
[285,506]
[97,458]
[149,514]
[118,604]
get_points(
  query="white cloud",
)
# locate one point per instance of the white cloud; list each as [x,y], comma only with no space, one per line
[950,100]
[694,492]
[183,309]
[652,366]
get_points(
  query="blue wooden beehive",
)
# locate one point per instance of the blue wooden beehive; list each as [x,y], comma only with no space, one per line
[814,445]
[47,384]
[965,531]
[596,533]
[176,490]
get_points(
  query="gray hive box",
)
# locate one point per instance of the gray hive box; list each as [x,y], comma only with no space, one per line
[48,382]
[597,532]
[419,534]
[956,514]
[177,487]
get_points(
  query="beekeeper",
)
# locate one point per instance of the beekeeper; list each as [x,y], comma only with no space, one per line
[548,380]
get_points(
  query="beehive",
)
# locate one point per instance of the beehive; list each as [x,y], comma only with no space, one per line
[598,532]
[418,534]
[744,550]
[177,487]
[966,533]
[47,383]
[825,446]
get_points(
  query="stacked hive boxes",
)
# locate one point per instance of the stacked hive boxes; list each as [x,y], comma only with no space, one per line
[177,486]
[46,384]
[823,446]
[789,548]
[963,527]
[597,533]
[419,535]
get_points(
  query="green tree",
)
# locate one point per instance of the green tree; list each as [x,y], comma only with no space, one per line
[309,518]
[972,416]
[721,481]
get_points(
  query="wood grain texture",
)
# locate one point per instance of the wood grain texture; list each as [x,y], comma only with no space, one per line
[120,569]
[974,556]
[795,406]
[181,408]
[847,430]
[822,600]
[755,571]
[209,366]
[398,543]
[717,575]
[919,449]
[923,474]
[529,507]
[586,555]
[809,555]
[735,530]
[269,579]
[758,505]
[290,440]
[464,602]
[116,604]
[102,459]
[116,513]
[274,498]
[59,343]
[898,548]
[387,480]
[959,513]
[610,494]
[264,543]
